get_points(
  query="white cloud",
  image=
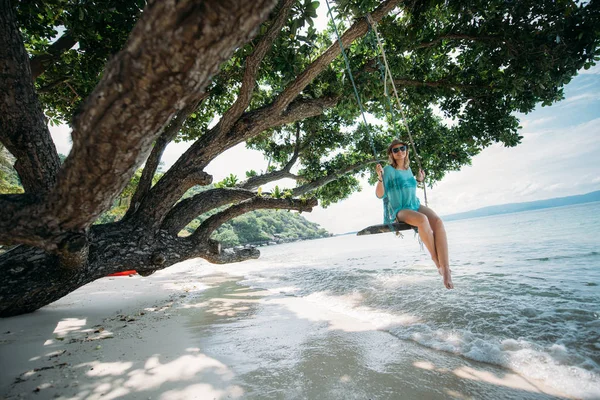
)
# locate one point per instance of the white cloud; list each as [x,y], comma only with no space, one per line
[537,122]
[584,97]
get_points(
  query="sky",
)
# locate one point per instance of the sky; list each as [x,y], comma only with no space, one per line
[559,156]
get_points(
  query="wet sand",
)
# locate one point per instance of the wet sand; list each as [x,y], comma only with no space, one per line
[183,334]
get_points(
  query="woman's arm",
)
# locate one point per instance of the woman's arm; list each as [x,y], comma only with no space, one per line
[379,189]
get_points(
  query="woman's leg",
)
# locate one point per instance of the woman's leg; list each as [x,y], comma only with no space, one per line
[441,243]
[421,221]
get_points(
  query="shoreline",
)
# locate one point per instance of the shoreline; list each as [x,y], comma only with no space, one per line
[186,333]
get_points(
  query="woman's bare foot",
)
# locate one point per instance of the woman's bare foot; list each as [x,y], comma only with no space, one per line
[445,272]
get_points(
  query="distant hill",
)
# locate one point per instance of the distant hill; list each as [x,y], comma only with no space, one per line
[528,206]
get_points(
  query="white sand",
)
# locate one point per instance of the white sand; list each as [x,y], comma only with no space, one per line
[182,334]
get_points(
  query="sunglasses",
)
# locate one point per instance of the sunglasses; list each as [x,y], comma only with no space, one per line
[400,148]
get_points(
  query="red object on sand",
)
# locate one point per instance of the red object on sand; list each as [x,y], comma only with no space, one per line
[124,273]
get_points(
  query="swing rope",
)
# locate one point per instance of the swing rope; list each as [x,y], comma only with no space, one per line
[389,74]
[360,105]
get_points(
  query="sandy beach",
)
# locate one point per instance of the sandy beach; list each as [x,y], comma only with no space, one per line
[186,334]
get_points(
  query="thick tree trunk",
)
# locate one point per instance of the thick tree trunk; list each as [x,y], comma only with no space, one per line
[165,66]
[31,278]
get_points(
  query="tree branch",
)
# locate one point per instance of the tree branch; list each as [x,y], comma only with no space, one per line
[297,146]
[358,29]
[166,64]
[204,231]
[23,127]
[300,190]
[40,63]
[256,181]
[252,65]
[180,176]
[157,151]
[188,209]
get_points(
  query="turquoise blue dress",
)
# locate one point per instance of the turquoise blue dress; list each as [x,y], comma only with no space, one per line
[400,192]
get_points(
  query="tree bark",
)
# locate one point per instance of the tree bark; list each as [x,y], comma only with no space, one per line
[256,181]
[23,128]
[32,278]
[167,62]
[252,65]
[188,209]
[165,66]
[155,155]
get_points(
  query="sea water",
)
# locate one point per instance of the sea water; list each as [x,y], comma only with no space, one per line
[526,297]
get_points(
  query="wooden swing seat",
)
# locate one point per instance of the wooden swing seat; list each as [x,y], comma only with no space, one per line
[383,228]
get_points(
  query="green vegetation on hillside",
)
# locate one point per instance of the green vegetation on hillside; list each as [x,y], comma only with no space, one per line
[256,227]
[9,180]
[263,226]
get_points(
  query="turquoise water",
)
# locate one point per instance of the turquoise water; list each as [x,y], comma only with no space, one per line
[527,291]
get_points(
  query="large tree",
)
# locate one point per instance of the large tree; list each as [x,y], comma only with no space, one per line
[228,72]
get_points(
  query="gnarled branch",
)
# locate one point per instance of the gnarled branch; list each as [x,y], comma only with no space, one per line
[213,222]
[169,189]
[188,209]
[357,30]
[285,109]
[157,151]
[252,65]
[256,181]
[259,180]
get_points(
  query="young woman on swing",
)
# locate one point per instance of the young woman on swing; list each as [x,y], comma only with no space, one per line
[398,187]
